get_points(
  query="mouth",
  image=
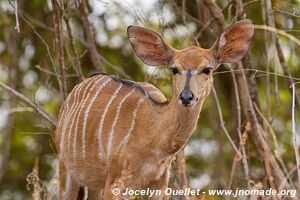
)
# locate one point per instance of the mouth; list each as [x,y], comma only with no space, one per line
[188,104]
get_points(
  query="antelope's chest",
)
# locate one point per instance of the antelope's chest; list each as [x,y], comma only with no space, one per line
[153,169]
[157,169]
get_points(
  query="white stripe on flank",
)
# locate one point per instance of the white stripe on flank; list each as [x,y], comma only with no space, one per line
[62,112]
[68,116]
[77,112]
[111,135]
[81,110]
[103,118]
[73,109]
[65,107]
[86,114]
[132,125]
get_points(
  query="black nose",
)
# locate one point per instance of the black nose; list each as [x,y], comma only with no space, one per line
[186,97]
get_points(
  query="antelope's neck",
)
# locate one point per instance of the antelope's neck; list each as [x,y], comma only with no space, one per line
[176,124]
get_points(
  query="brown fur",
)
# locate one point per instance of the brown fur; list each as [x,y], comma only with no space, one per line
[160,130]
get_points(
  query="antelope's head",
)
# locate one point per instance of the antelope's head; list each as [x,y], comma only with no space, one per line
[193,66]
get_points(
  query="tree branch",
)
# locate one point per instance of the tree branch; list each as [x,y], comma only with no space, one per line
[74,52]
[17,27]
[59,46]
[223,124]
[90,37]
[286,71]
[34,105]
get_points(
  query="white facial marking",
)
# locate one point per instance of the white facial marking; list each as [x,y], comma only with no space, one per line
[193,72]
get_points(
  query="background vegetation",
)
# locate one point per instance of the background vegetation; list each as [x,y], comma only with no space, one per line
[246,133]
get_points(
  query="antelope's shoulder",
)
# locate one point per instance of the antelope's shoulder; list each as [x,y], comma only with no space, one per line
[153,92]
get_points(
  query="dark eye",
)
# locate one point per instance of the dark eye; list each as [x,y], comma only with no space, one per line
[206,70]
[174,70]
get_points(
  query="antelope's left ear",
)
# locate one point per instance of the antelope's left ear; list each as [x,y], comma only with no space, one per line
[234,42]
[149,46]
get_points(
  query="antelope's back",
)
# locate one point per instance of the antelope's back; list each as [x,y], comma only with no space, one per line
[99,116]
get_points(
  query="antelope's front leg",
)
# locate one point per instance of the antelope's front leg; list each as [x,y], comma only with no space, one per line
[111,193]
[68,187]
[94,194]
[160,184]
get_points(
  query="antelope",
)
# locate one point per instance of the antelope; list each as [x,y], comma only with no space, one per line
[107,124]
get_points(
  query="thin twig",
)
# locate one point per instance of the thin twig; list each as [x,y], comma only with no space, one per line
[35,133]
[268,169]
[256,71]
[286,70]
[19,110]
[275,141]
[250,2]
[242,141]
[216,12]
[189,16]
[17,27]
[285,12]
[37,22]
[210,22]
[233,169]
[34,105]
[289,177]
[258,131]
[295,142]
[278,31]
[223,123]
[75,55]
[53,73]
[44,42]
[183,11]
[270,21]
[90,37]
[266,50]
[59,46]
[116,68]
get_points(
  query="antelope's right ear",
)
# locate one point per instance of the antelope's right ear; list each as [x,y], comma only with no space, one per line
[149,46]
[234,42]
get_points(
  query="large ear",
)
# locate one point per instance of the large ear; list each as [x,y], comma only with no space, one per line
[234,42]
[149,46]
